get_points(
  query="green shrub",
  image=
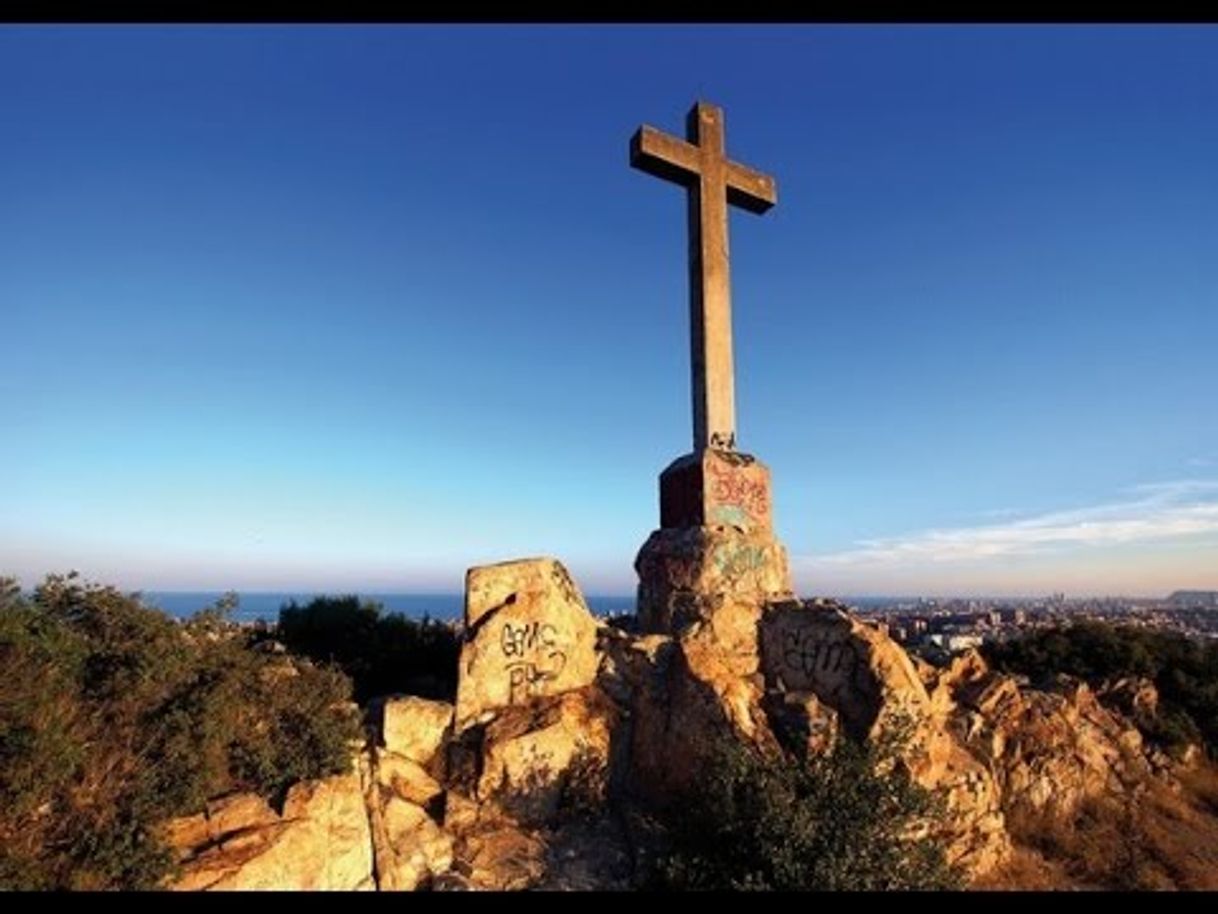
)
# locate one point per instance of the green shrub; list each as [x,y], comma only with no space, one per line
[382,653]
[849,819]
[114,717]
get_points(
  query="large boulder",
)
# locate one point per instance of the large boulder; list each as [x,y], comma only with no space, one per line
[851,666]
[720,652]
[528,634]
[415,728]
[320,841]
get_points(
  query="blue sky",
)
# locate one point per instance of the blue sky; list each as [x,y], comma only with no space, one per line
[359,307]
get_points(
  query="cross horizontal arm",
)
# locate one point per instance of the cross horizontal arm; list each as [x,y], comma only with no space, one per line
[750,189]
[664,156]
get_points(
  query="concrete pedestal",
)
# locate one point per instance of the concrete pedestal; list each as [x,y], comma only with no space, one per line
[715,543]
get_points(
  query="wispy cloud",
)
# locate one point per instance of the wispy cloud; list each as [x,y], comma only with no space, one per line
[1199,462]
[1002,512]
[1149,512]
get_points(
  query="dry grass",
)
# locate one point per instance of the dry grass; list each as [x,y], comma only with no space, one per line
[1158,839]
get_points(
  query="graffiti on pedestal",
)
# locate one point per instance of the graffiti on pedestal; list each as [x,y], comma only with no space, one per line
[737,499]
[733,560]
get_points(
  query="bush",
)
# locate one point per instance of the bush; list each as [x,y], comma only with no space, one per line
[849,819]
[383,654]
[114,717]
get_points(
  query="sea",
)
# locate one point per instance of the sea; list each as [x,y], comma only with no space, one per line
[261,604]
[255,605]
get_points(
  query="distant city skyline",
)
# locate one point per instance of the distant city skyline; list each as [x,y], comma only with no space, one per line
[312,308]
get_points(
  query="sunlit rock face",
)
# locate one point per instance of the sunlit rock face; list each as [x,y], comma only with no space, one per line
[528,634]
[320,841]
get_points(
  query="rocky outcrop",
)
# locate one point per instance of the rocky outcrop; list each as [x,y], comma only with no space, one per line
[819,659]
[1049,750]
[557,712]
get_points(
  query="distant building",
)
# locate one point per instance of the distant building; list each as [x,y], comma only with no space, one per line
[1194,599]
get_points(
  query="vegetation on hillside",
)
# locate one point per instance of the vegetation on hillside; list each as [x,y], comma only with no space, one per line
[1160,837]
[849,819]
[1184,670]
[382,653]
[114,717]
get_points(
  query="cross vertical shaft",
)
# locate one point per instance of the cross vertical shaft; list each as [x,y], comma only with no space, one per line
[710,291]
[700,164]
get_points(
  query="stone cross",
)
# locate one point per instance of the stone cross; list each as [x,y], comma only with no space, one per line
[711,181]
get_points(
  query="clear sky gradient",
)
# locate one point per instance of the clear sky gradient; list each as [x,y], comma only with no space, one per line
[359,307]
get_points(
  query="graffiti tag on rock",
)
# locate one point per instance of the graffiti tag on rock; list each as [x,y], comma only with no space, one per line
[533,656]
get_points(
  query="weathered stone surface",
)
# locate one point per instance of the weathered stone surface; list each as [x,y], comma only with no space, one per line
[1050,749]
[489,587]
[852,667]
[684,573]
[502,859]
[321,841]
[715,488]
[403,803]
[187,834]
[237,811]
[410,847]
[415,728]
[407,779]
[682,700]
[534,757]
[587,853]
[528,634]
[720,652]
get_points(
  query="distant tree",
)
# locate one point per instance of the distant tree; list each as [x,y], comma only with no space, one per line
[382,653]
[218,615]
